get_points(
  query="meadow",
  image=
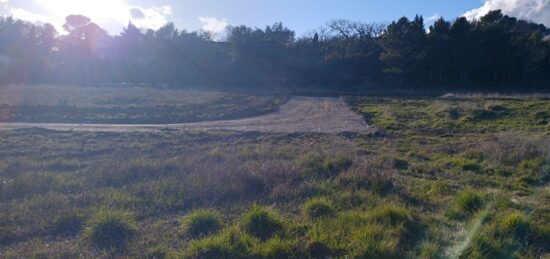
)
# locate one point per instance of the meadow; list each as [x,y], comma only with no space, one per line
[456,176]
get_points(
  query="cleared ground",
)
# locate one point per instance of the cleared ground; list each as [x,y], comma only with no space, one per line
[300,114]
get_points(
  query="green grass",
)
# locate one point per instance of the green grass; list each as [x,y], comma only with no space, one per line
[437,176]
[110,230]
[318,208]
[201,223]
[262,222]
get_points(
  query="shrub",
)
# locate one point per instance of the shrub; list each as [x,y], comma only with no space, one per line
[229,244]
[262,222]
[468,202]
[109,229]
[201,223]
[318,208]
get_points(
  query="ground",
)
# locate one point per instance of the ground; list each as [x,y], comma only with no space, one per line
[449,176]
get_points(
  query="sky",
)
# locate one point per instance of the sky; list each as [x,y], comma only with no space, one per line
[302,16]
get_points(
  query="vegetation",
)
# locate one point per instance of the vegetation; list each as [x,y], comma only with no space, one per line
[496,50]
[432,178]
[262,222]
[201,223]
[318,208]
[110,229]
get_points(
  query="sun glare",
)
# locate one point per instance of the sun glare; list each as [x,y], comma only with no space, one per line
[97,10]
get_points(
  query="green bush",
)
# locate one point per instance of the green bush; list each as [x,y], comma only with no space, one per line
[468,202]
[110,229]
[318,208]
[231,243]
[201,223]
[262,222]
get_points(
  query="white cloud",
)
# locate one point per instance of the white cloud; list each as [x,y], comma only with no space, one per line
[213,25]
[433,18]
[25,15]
[109,14]
[151,18]
[533,10]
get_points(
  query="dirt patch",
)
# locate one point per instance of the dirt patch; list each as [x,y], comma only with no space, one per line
[300,114]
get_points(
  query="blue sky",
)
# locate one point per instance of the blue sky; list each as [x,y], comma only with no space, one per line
[300,15]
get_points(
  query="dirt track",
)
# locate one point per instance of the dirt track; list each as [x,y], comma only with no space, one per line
[300,114]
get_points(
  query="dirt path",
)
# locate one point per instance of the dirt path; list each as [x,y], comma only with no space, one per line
[300,114]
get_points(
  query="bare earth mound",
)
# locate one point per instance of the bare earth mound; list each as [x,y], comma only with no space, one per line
[300,114]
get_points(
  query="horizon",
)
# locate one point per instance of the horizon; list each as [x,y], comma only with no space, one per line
[302,17]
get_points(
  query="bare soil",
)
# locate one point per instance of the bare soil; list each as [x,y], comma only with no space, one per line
[300,114]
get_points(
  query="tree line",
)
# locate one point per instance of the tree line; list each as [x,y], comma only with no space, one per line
[496,50]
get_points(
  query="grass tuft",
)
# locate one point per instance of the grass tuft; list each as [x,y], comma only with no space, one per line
[318,208]
[200,223]
[262,222]
[111,230]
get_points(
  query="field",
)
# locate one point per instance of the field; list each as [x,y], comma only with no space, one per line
[127,105]
[454,176]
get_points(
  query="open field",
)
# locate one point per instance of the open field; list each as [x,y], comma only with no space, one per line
[460,176]
[127,105]
[300,114]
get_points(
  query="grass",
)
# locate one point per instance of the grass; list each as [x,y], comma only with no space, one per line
[262,222]
[127,105]
[318,208]
[436,174]
[201,223]
[110,230]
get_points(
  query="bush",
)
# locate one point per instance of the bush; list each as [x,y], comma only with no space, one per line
[318,208]
[468,202]
[262,222]
[228,244]
[201,223]
[110,229]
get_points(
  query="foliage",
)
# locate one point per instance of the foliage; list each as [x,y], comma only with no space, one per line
[495,50]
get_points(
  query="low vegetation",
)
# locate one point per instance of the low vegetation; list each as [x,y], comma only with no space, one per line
[432,179]
[201,223]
